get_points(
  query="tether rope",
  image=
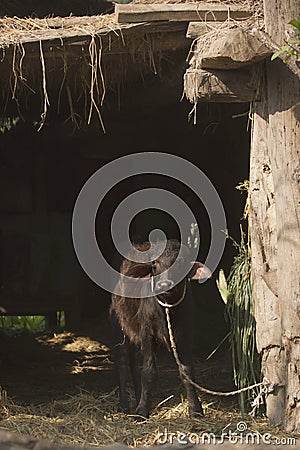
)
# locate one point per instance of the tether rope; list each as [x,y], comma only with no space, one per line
[266,386]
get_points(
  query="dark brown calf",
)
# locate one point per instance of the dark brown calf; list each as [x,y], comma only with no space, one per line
[140,324]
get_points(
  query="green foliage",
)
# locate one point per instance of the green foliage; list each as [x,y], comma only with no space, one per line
[193,240]
[28,324]
[240,314]
[7,123]
[236,292]
[223,286]
[20,324]
[292,46]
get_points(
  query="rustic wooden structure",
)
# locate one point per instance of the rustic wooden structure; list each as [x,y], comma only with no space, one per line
[274,188]
[225,66]
[106,54]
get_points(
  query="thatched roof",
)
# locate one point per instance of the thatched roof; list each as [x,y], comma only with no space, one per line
[18,31]
[33,20]
[75,60]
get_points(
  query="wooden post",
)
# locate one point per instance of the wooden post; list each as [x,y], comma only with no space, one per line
[275,223]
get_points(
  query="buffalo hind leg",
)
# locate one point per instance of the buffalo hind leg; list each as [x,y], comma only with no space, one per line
[121,358]
[135,361]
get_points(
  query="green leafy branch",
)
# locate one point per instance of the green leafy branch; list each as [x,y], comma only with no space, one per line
[292,46]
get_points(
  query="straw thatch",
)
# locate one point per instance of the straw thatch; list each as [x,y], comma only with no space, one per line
[75,61]
[70,63]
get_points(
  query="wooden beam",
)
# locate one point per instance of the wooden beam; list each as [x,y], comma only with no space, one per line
[125,45]
[79,30]
[220,86]
[36,306]
[197,29]
[229,49]
[182,12]
[163,39]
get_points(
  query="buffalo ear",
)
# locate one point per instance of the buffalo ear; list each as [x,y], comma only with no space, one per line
[139,271]
[199,272]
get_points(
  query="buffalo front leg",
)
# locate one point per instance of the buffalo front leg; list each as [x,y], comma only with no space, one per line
[195,407]
[185,357]
[122,364]
[149,374]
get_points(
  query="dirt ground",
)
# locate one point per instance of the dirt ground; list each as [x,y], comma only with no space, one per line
[62,387]
[41,368]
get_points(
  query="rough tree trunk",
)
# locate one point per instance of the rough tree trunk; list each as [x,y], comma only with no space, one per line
[275,224]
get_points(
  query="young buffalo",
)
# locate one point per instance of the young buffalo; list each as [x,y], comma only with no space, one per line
[140,323]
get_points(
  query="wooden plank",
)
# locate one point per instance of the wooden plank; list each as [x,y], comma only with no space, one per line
[32,307]
[166,36]
[136,40]
[51,323]
[229,49]
[163,38]
[196,29]
[219,86]
[178,12]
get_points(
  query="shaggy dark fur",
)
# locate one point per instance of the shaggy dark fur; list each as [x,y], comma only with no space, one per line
[139,325]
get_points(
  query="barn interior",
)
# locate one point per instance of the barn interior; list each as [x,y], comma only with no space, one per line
[43,173]
[46,159]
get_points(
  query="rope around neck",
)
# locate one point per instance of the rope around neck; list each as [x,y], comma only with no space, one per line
[171,305]
[266,386]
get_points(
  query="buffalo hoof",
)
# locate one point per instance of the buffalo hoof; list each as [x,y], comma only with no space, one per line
[195,413]
[139,419]
[141,415]
[123,408]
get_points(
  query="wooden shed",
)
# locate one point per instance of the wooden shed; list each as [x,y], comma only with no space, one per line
[78,91]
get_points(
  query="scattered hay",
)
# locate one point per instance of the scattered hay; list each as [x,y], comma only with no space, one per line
[88,419]
[70,342]
[95,356]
